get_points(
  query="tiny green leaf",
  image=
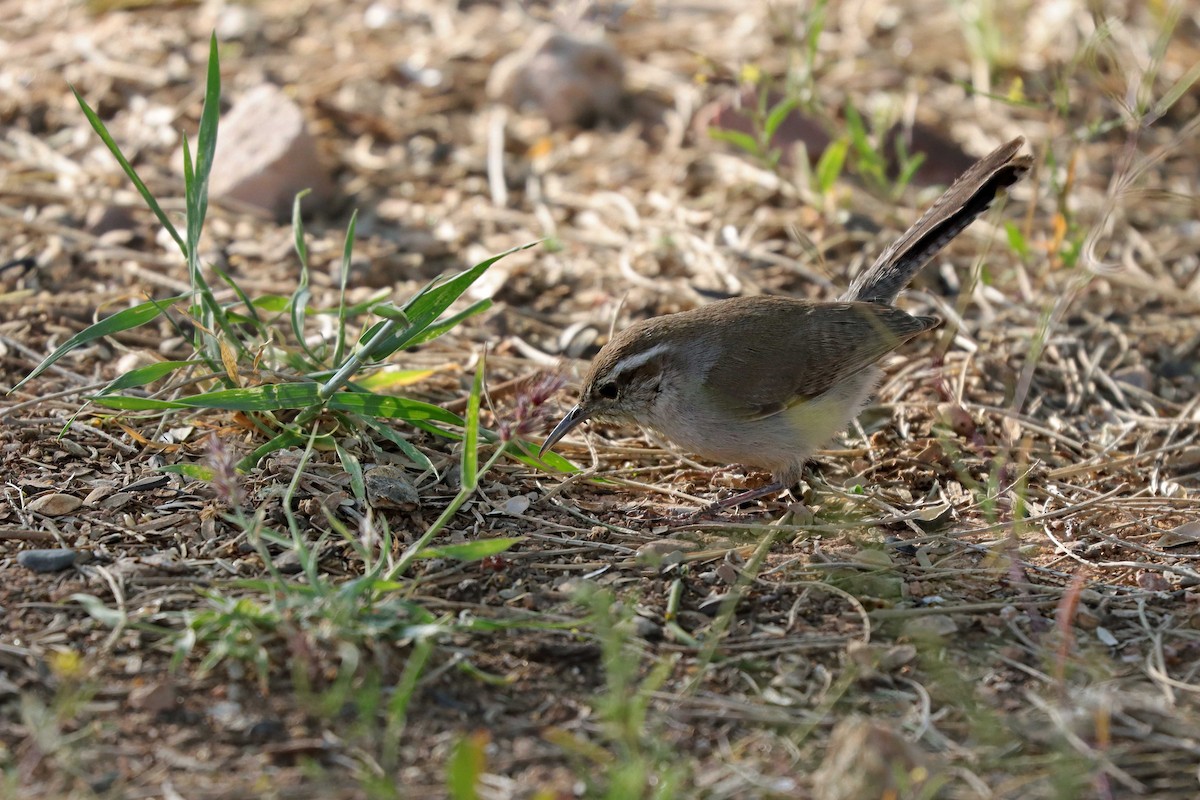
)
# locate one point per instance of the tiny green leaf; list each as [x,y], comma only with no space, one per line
[742,141]
[1016,239]
[829,166]
[339,350]
[196,472]
[778,114]
[472,551]
[144,375]
[470,451]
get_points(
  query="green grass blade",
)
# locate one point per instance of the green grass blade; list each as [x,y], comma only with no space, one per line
[268,397]
[449,323]
[424,309]
[472,551]
[287,438]
[1016,240]
[353,468]
[298,235]
[121,321]
[829,166]
[147,374]
[527,455]
[189,176]
[869,162]
[298,308]
[464,770]
[195,472]
[272,303]
[412,453]
[196,175]
[909,167]
[251,305]
[390,407]
[339,349]
[470,450]
[206,147]
[102,131]
[778,114]
[363,306]
[279,396]
[743,141]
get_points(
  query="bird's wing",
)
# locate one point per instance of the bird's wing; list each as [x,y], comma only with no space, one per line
[800,355]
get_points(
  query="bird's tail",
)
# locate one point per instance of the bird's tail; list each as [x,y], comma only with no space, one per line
[966,199]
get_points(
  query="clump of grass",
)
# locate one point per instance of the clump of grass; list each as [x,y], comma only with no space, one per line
[257,356]
[855,146]
[627,758]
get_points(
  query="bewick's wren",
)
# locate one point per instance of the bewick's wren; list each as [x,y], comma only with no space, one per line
[765,381]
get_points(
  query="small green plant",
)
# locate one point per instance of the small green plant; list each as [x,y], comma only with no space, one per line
[871,163]
[59,732]
[369,607]
[258,356]
[466,766]
[765,119]
[628,761]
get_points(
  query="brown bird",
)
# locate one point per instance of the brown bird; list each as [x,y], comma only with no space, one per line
[765,381]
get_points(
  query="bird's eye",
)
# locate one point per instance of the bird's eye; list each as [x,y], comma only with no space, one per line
[608,390]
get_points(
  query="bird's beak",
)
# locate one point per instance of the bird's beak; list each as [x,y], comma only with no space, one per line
[573,418]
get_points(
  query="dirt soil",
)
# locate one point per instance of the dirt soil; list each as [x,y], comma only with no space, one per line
[987,587]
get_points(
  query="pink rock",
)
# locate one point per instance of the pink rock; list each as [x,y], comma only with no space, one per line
[265,155]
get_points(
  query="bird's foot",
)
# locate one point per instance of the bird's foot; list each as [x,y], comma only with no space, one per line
[733,501]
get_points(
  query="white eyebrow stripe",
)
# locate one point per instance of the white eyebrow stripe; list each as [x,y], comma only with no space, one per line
[637,360]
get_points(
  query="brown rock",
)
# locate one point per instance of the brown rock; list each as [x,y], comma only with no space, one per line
[265,155]
[569,80]
[55,504]
[867,760]
[153,697]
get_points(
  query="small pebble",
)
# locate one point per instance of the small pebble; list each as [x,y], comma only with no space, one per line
[55,560]
[647,629]
[388,486]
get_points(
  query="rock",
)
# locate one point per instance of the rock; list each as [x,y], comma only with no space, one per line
[517,504]
[265,155]
[288,562]
[957,418]
[388,486]
[1138,377]
[867,760]
[55,504]
[53,560]
[569,80]
[647,629]
[153,697]
[104,219]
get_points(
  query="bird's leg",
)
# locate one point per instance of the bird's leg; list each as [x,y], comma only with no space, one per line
[743,497]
